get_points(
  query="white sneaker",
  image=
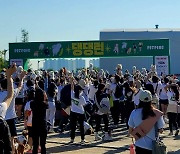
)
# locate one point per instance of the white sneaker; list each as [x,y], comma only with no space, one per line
[107,137]
[97,137]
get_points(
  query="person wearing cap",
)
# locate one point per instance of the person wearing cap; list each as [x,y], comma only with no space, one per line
[143,112]
[77,110]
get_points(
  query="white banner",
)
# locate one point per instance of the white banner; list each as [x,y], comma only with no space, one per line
[162,65]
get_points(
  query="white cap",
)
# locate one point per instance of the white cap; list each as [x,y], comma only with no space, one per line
[145,96]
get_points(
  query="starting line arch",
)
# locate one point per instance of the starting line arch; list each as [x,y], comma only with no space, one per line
[157,48]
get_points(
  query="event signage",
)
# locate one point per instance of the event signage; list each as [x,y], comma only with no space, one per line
[87,49]
[162,65]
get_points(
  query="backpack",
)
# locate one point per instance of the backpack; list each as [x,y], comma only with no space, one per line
[119,92]
[65,97]
[104,105]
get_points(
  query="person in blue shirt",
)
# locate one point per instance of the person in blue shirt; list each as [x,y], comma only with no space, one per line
[143,112]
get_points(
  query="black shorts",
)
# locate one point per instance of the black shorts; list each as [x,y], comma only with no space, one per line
[12,127]
[163,101]
[29,131]
[19,101]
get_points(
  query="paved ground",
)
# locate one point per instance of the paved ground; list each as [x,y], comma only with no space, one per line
[58,143]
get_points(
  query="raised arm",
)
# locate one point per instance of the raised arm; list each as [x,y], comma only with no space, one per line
[22,75]
[10,88]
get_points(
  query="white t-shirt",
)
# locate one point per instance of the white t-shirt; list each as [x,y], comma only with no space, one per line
[3,109]
[92,91]
[77,105]
[136,95]
[3,95]
[11,113]
[171,97]
[135,120]
[158,85]
[28,108]
[163,93]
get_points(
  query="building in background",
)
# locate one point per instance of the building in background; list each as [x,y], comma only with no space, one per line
[70,64]
[143,34]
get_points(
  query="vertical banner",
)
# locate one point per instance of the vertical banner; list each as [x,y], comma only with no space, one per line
[162,65]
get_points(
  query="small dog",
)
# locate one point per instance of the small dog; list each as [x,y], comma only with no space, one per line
[21,142]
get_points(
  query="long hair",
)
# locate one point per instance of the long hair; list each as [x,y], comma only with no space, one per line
[150,88]
[77,90]
[39,98]
[51,90]
[147,110]
[175,90]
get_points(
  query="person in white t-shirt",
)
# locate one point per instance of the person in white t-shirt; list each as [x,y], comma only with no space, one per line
[77,111]
[92,90]
[28,115]
[11,113]
[6,98]
[138,90]
[4,104]
[172,109]
[163,98]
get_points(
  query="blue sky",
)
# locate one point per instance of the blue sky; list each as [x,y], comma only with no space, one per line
[66,20]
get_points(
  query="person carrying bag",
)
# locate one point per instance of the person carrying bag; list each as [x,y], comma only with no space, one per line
[158,146]
[142,124]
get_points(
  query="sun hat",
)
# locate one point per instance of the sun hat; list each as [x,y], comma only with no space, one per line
[145,96]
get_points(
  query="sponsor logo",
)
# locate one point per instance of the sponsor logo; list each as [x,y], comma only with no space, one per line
[159,47]
[22,50]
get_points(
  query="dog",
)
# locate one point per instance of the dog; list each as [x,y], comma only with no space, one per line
[21,142]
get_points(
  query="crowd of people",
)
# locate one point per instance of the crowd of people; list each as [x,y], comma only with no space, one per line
[89,100]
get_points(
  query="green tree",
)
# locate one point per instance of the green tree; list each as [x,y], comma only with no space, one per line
[24,35]
[3,62]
